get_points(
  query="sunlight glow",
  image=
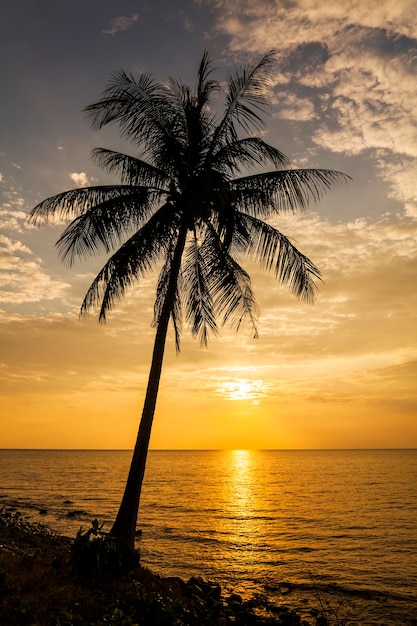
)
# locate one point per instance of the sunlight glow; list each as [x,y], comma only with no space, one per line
[242,389]
[240,459]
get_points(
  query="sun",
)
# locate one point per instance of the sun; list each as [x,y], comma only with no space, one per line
[242,389]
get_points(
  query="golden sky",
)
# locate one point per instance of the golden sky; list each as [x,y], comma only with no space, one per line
[339,374]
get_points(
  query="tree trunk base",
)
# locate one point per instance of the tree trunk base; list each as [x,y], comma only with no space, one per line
[96,553]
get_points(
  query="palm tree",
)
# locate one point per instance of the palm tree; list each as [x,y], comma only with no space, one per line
[184,205]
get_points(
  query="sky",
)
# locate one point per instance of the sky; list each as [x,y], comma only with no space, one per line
[338,374]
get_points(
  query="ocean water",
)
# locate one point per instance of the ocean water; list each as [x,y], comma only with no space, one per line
[299,527]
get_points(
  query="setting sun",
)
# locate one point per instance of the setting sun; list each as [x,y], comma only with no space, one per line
[242,389]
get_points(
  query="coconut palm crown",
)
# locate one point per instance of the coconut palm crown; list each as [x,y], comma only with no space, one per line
[186,204]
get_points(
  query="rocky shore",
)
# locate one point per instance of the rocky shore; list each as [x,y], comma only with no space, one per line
[38,587]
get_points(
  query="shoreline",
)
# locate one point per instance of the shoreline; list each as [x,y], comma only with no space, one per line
[38,587]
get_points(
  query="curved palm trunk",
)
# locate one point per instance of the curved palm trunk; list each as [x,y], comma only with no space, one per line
[124,526]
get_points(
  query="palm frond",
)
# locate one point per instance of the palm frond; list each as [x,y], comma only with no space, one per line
[236,299]
[193,127]
[276,254]
[75,202]
[286,190]
[135,258]
[205,86]
[234,233]
[122,92]
[132,171]
[229,284]
[248,152]
[144,114]
[107,224]
[199,303]
[248,90]
[248,93]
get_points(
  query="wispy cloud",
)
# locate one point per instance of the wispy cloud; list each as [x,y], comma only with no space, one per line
[13,215]
[121,23]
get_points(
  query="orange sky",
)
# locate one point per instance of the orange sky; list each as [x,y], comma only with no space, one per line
[336,374]
[341,373]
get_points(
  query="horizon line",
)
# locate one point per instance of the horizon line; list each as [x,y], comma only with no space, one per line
[208,449]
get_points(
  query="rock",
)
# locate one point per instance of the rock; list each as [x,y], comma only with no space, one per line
[210,592]
[234,597]
[175,582]
[192,589]
[214,592]
[235,607]
[197,601]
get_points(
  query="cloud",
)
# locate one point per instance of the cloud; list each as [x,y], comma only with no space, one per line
[400,174]
[22,278]
[349,67]
[13,220]
[292,107]
[13,216]
[81,179]
[371,104]
[295,20]
[366,67]
[121,23]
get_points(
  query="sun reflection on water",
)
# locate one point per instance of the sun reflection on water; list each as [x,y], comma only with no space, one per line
[239,519]
[242,483]
[240,490]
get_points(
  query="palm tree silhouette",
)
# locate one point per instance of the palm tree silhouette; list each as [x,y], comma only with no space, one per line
[185,205]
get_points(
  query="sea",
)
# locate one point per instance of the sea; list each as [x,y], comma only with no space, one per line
[310,529]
